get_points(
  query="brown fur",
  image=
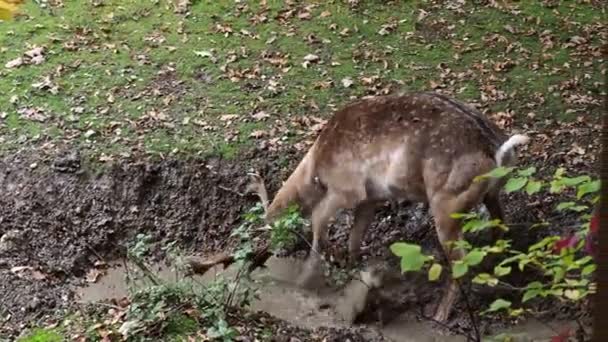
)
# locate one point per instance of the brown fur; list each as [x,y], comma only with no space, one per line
[419,147]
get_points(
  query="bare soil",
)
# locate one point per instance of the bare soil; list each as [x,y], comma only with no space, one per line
[61,217]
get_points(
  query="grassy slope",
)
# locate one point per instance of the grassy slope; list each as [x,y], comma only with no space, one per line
[142,79]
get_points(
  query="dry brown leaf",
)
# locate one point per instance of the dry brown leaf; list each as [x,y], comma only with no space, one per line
[261,115]
[17,62]
[311,58]
[304,15]
[257,134]
[34,114]
[228,117]
[347,82]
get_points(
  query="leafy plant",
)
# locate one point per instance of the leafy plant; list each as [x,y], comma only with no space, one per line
[154,303]
[564,271]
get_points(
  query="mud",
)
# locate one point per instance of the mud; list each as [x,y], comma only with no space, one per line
[59,218]
[329,307]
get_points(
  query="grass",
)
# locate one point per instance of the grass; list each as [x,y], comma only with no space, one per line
[143,79]
[42,335]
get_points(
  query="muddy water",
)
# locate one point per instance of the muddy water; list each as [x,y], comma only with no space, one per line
[326,307]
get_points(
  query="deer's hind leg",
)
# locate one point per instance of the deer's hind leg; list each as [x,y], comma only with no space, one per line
[443,204]
[364,215]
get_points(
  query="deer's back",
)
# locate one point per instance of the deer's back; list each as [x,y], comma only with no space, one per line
[431,124]
[405,144]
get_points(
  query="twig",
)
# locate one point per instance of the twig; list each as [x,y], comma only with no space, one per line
[466,299]
[231,190]
[149,274]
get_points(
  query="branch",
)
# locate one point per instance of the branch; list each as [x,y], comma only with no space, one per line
[258,259]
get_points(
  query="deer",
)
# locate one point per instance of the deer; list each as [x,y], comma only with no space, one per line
[422,147]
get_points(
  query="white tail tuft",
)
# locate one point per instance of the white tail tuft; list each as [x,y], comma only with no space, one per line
[517,139]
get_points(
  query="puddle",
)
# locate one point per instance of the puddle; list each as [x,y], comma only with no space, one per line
[327,307]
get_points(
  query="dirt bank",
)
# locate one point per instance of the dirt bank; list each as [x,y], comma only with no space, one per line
[59,217]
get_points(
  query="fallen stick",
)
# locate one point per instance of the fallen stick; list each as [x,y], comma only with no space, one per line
[258,259]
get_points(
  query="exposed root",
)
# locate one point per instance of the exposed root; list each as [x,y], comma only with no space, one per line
[257,259]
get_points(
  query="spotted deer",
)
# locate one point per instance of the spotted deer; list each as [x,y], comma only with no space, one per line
[418,147]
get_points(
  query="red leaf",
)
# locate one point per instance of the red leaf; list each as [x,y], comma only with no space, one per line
[562,337]
[565,242]
[594,226]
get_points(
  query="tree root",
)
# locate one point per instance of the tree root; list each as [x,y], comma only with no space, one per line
[257,259]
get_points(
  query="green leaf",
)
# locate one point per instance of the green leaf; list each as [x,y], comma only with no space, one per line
[588,269]
[571,206]
[584,260]
[500,271]
[587,188]
[485,278]
[466,216]
[513,258]
[516,312]
[533,186]
[462,245]
[557,186]
[535,285]
[499,304]
[527,172]
[474,257]
[529,294]
[565,205]
[515,184]
[522,263]
[435,272]
[459,268]
[558,274]
[476,225]
[498,172]
[572,294]
[412,258]
[574,181]
[543,243]
[499,246]
[540,224]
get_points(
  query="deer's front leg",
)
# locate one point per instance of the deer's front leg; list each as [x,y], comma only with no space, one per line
[320,217]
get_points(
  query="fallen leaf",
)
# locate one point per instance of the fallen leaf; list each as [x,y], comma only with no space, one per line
[347,82]
[257,134]
[304,15]
[46,84]
[17,62]
[181,6]
[34,114]
[261,115]
[228,117]
[311,58]
[20,271]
